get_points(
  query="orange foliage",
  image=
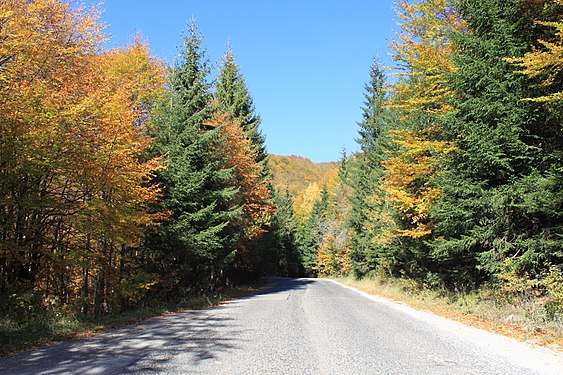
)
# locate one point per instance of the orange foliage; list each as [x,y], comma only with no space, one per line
[303,179]
[124,84]
[72,144]
[332,258]
[253,194]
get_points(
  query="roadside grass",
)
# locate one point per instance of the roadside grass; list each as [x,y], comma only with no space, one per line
[524,318]
[17,334]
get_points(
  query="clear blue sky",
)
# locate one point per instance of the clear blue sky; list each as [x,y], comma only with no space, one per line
[305,61]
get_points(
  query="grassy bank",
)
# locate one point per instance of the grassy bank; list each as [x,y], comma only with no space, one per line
[521,317]
[20,334]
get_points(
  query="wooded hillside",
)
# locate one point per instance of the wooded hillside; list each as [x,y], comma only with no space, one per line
[296,173]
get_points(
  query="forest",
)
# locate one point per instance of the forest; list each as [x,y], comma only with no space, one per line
[125,182]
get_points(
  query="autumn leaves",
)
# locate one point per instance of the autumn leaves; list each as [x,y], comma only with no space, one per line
[461,150]
[89,207]
[74,177]
[122,180]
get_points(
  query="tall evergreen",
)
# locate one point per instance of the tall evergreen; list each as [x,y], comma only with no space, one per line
[233,97]
[365,217]
[193,243]
[501,197]
[372,126]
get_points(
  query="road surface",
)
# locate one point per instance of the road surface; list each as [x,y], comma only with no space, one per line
[293,326]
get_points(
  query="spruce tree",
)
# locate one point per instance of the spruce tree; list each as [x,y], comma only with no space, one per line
[233,97]
[193,243]
[501,199]
[366,218]
[284,257]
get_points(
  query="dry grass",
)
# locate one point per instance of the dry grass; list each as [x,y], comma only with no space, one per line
[523,318]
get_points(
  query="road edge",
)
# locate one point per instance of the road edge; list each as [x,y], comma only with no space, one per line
[537,358]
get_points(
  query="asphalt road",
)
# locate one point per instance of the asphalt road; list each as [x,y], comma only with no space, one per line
[294,326]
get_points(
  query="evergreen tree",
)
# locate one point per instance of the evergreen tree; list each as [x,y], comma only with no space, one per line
[284,257]
[372,126]
[501,192]
[193,243]
[368,218]
[314,229]
[233,97]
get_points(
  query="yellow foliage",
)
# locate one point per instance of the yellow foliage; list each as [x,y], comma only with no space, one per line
[332,258]
[303,202]
[407,177]
[72,120]
[422,50]
[545,64]
[383,227]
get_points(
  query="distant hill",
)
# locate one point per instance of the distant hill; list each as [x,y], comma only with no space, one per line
[302,177]
[296,172]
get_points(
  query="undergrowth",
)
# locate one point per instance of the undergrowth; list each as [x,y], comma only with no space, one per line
[25,324]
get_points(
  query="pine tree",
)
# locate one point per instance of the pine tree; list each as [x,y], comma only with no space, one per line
[313,230]
[195,241]
[284,259]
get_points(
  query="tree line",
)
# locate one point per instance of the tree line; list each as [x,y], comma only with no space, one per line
[123,180]
[459,180]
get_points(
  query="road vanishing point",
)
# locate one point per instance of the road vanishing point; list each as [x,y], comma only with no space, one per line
[292,326]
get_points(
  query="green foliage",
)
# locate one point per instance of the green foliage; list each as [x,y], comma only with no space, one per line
[192,246]
[493,197]
[494,187]
[233,97]
[284,257]
[370,218]
[77,173]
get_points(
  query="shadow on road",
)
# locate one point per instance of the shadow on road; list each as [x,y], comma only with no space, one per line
[197,335]
[281,285]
